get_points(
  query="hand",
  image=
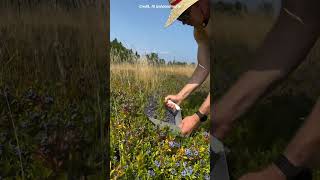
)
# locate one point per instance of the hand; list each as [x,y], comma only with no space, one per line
[175,98]
[271,172]
[189,123]
[221,121]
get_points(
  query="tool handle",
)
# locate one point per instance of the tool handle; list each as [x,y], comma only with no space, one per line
[177,107]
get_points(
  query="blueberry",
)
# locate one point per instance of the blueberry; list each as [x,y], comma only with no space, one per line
[48,100]
[189,170]
[151,172]
[177,145]
[17,151]
[184,163]
[171,144]
[157,163]
[184,173]
[148,152]
[196,153]
[31,94]
[174,172]
[188,152]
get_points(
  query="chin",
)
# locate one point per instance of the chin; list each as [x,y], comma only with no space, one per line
[198,26]
[194,24]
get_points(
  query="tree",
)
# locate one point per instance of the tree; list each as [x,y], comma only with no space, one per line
[266,7]
[230,8]
[120,54]
[153,59]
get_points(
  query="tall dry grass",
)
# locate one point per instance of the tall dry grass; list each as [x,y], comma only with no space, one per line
[151,76]
[62,54]
[56,47]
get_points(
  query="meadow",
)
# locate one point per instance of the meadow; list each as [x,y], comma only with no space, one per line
[137,148]
[258,137]
[53,89]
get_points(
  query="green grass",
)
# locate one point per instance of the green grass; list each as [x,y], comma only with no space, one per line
[138,149]
[52,95]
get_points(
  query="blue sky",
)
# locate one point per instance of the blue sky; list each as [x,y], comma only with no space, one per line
[142,29]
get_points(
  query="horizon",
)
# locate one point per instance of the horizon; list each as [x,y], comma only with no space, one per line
[141,29]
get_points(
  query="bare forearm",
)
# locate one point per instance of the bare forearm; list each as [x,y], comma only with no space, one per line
[304,148]
[286,45]
[243,94]
[201,72]
[197,78]
[205,107]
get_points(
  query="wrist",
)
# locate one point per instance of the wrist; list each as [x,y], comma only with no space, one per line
[196,118]
[293,158]
[201,116]
[287,168]
[276,169]
[202,111]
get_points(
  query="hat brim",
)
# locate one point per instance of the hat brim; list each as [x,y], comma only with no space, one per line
[177,10]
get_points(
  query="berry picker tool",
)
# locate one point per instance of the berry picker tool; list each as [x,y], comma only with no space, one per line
[218,160]
[174,118]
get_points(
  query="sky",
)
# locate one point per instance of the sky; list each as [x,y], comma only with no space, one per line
[142,29]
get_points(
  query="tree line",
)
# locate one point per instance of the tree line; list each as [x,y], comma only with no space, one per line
[237,7]
[63,4]
[120,54]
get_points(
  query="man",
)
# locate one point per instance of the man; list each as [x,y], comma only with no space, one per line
[285,47]
[195,13]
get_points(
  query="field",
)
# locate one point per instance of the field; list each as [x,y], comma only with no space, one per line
[138,149]
[258,137]
[52,94]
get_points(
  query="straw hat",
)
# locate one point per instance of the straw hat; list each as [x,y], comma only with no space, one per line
[177,8]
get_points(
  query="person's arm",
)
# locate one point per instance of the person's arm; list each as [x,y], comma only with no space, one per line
[200,73]
[205,107]
[284,48]
[202,70]
[189,123]
[302,151]
[304,148]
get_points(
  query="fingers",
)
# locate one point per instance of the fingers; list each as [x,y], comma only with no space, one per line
[171,106]
[175,98]
[166,99]
[183,130]
[186,126]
